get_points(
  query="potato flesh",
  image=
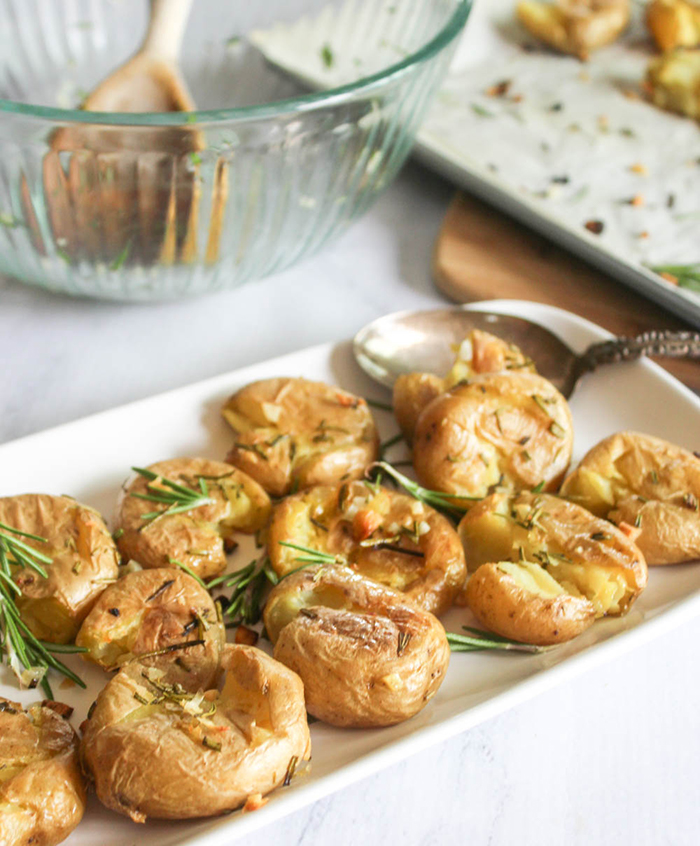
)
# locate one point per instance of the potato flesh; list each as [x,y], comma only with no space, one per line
[674,79]
[532,578]
[674,23]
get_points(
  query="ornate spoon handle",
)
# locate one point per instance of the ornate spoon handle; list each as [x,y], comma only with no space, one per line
[669,344]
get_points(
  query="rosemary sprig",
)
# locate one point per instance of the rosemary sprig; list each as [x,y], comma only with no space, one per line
[687,275]
[479,640]
[22,649]
[437,499]
[247,587]
[188,570]
[176,497]
[313,556]
[382,406]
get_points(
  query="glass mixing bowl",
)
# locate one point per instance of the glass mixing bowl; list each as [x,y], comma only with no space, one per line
[161,205]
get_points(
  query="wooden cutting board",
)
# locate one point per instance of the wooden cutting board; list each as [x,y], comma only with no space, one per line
[481,254]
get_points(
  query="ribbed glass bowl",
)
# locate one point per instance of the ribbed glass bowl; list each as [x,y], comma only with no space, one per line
[154,206]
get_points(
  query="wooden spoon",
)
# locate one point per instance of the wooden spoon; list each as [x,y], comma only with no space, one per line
[130,193]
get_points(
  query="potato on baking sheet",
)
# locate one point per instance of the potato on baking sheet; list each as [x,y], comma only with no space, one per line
[154,750]
[162,611]
[384,535]
[216,501]
[501,430]
[674,82]
[645,482]
[294,434]
[577,27]
[367,656]
[544,568]
[480,352]
[81,560]
[42,794]
[674,23]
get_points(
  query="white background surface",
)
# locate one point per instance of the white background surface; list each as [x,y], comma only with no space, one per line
[612,757]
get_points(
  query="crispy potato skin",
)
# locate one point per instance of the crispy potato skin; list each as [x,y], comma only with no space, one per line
[194,538]
[577,27]
[512,430]
[481,352]
[297,433]
[340,519]
[412,392]
[635,478]
[579,550]
[43,798]
[674,81]
[367,656]
[502,604]
[84,558]
[150,610]
[260,722]
[673,23]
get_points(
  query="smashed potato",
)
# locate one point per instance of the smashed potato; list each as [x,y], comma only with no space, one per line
[197,537]
[479,353]
[544,568]
[159,611]
[501,430]
[42,795]
[577,27]
[648,483]
[674,82]
[674,23]
[206,753]
[386,536]
[294,434]
[366,655]
[83,560]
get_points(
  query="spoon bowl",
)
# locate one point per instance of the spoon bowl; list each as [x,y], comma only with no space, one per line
[424,341]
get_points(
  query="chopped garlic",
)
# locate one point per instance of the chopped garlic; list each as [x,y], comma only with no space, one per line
[271,411]
[422,528]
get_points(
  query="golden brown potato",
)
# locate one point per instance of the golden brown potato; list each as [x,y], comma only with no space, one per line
[674,23]
[644,482]
[156,611]
[198,537]
[509,431]
[205,753]
[523,602]
[367,656]
[84,561]
[575,26]
[674,82]
[544,568]
[42,795]
[294,434]
[387,536]
[479,353]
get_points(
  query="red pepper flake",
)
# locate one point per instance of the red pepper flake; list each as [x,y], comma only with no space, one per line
[254,802]
[594,226]
[637,200]
[639,168]
[500,89]
[643,234]
[669,277]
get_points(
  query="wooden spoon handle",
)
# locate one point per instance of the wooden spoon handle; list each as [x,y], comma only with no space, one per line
[166,28]
[669,344]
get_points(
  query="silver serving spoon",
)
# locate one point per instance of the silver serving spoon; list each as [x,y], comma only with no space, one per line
[410,341]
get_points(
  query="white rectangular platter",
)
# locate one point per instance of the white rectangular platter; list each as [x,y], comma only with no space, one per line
[89,459]
[569,142]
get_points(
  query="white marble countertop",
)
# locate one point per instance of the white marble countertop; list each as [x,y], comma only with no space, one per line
[612,757]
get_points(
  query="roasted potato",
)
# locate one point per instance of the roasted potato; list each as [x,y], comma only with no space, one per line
[294,434]
[159,611]
[42,795]
[367,656]
[83,556]
[479,353]
[577,27]
[154,750]
[544,568]
[503,430]
[674,23]
[197,537]
[674,82]
[648,483]
[387,536]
